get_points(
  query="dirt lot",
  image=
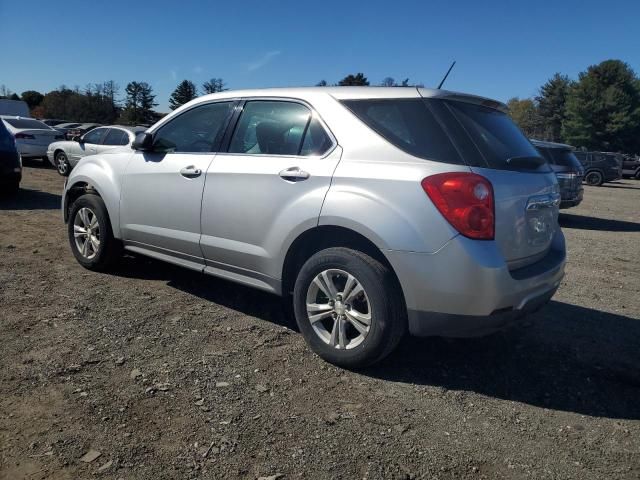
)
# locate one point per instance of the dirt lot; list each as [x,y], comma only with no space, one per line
[171,374]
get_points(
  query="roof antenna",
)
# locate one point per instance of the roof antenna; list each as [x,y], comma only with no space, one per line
[446,75]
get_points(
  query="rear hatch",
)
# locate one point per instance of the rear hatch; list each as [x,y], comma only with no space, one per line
[526,192]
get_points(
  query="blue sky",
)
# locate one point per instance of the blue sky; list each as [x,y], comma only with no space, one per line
[503,48]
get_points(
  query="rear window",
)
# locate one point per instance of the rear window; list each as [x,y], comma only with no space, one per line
[409,125]
[500,142]
[26,123]
[559,156]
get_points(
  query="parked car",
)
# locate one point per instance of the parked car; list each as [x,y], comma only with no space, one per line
[52,122]
[10,162]
[81,130]
[600,167]
[65,128]
[380,210]
[631,166]
[66,155]
[567,168]
[32,136]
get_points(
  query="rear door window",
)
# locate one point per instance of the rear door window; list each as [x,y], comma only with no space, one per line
[269,127]
[116,137]
[409,125]
[95,136]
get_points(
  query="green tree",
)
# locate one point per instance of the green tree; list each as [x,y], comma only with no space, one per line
[32,98]
[525,113]
[552,101]
[388,82]
[321,83]
[184,92]
[139,103]
[354,80]
[603,109]
[214,85]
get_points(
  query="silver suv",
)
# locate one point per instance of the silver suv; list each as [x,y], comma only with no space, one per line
[379,210]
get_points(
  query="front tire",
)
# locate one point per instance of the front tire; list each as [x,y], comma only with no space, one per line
[594,179]
[90,234]
[62,164]
[348,307]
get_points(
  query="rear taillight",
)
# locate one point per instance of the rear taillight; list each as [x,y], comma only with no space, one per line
[465,200]
[24,136]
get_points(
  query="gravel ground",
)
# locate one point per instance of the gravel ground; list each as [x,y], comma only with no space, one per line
[165,373]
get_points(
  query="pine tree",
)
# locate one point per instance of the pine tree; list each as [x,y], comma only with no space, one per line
[552,106]
[525,114]
[214,85]
[354,80]
[184,92]
[603,109]
[139,103]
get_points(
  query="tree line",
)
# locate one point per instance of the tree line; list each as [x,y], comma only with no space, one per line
[599,111]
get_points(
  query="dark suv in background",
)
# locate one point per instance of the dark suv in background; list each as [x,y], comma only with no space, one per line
[600,167]
[10,163]
[567,168]
[631,166]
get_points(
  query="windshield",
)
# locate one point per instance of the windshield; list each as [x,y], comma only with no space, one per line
[26,123]
[500,142]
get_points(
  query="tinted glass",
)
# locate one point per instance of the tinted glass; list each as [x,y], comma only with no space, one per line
[500,142]
[26,123]
[409,125]
[268,127]
[559,156]
[116,137]
[94,136]
[196,130]
[7,143]
[316,141]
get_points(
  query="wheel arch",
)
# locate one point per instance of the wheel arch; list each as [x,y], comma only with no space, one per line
[320,237]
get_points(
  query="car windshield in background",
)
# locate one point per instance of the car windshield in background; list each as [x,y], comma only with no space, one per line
[500,142]
[560,156]
[26,123]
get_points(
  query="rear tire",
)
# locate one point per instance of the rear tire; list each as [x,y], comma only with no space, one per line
[594,179]
[90,234]
[637,177]
[356,306]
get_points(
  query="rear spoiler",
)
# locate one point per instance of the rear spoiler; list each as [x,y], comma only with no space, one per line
[463,97]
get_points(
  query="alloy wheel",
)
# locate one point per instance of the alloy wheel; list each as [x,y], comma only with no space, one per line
[339,309]
[62,164]
[86,232]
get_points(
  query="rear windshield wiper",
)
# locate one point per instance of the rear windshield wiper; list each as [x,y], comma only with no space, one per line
[528,162]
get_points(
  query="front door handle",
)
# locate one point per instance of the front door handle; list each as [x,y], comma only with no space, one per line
[294,174]
[190,172]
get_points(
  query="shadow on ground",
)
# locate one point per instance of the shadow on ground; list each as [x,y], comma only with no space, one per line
[585,222]
[564,357]
[27,199]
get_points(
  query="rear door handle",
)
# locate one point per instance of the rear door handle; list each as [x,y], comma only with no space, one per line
[294,174]
[190,172]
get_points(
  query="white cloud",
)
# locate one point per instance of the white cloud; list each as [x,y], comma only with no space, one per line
[264,60]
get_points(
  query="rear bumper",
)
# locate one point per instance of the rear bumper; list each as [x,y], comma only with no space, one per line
[28,150]
[572,200]
[466,289]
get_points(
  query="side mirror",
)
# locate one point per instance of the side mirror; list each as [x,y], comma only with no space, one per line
[77,138]
[143,142]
